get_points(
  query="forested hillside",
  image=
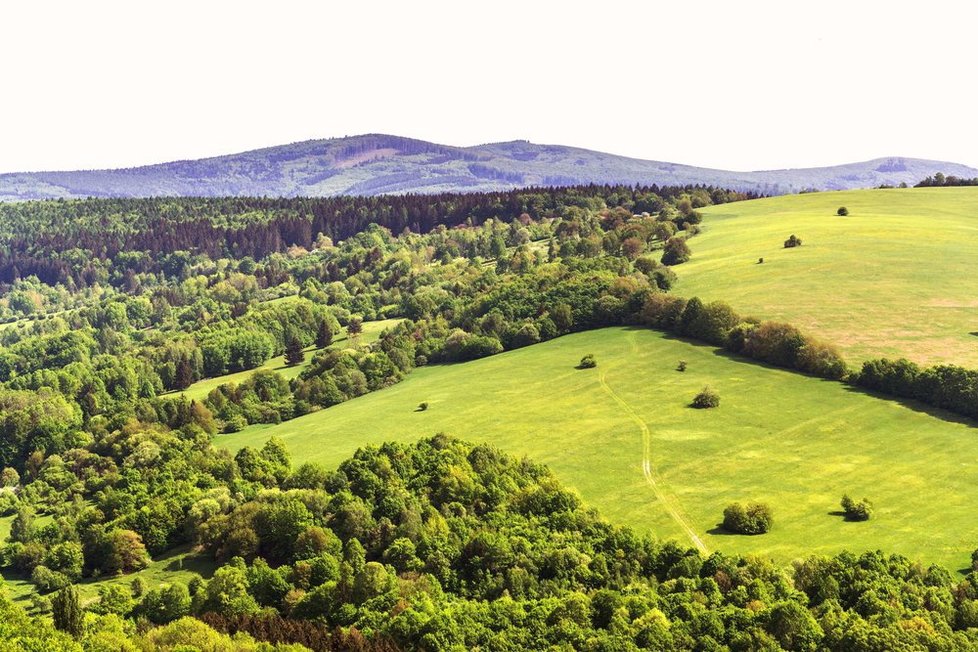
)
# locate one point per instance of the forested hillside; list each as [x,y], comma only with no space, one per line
[375,164]
[114,308]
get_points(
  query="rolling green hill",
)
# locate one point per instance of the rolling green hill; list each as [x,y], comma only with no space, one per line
[624,437]
[894,278]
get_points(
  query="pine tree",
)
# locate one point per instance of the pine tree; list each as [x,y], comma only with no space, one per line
[354,327]
[184,376]
[324,337]
[293,352]
[67,612]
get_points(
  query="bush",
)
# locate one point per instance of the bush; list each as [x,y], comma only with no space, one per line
[843,211]
[422,406]
[856,510]
[792,241]
[676,251]
[707,398]
[588,362]
[752,518]
[681,366]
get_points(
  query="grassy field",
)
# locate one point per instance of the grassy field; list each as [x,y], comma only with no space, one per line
[371,333]
[894,278]
[623,436]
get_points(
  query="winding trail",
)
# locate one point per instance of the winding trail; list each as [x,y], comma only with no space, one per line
[672,505]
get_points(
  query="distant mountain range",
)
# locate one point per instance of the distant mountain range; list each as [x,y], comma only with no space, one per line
[378,164]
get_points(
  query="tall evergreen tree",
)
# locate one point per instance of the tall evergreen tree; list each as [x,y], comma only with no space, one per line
[324,336]
[184,376]
[293,351]
[67,612]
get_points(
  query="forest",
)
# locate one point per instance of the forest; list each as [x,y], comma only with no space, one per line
[113,308]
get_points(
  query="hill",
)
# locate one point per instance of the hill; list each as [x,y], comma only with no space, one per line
[589,425]
[893,278]
[379,164]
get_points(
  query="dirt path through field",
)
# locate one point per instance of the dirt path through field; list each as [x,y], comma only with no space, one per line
[671,504]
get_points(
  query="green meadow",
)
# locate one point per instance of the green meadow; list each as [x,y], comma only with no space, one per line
[623,436]
[894,278]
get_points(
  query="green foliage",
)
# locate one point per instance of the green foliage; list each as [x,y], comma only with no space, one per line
[676,251]
[707,398]
[294,353]
[792,241]
[856,510]
[67,612]
[115,599]
[437,545]
[749,518]
[165,604]
[842,212]
[588,362]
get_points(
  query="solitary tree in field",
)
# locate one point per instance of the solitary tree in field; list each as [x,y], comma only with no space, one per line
[707,398]
[792,241]
[856,510]
[588,362]
[843,211]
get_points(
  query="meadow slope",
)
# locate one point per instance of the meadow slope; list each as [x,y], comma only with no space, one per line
[894,278]
[793,441]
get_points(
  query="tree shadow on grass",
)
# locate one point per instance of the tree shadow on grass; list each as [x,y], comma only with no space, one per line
[838,512]
[916,406]
[719,531]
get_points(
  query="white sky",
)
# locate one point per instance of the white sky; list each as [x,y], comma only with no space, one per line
[739,85]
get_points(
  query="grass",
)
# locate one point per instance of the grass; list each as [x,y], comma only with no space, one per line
[894,278]
[795,442]
[200,389]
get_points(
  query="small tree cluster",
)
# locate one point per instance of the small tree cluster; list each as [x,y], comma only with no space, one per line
[707,398]
[856,510]
[843,211]
[588,362]
[792,241]
[752,518]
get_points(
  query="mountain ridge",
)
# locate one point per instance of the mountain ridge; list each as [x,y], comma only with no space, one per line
[373,164]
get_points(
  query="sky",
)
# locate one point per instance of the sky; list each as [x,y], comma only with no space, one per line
[734,85]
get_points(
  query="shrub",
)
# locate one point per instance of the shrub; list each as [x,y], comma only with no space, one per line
[792,241]
[588,362]
[422,406]
[707,398]
[676,251]
[856,510]
[752,518]
[843,211]
[681,366]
